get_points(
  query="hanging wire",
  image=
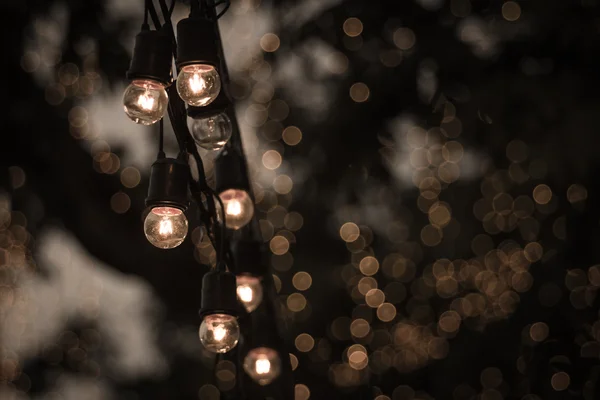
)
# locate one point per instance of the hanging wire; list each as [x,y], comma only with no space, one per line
[161,138]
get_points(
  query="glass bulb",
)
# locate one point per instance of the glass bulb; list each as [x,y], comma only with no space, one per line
[249,291]
[239,208]
[262,364]
[145,101]
[219,333]
[211,133]
[198,84]
[166,227]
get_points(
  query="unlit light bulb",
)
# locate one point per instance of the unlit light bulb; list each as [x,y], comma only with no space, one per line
[211,133]
[262,364]
[145,101]
[198,84]
[249,291]
[166,227]
[239,208]
[219,333]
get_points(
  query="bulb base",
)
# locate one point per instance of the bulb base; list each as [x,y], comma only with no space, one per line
[230,171]
[197,42]
[248,258]
[169,178]
[152,57]
[219,294]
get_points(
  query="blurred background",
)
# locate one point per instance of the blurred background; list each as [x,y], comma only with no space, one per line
[426,180]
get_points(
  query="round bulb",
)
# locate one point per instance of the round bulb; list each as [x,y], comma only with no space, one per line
[263,365]
[211,133]
[145,101]
[219,333]
[166,227]
[239,208]
[249,291]
[198,84]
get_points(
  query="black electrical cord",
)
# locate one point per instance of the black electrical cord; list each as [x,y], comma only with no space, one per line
[161,138]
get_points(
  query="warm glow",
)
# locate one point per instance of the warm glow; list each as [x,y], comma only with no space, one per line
[166,227]
[245,293]
[263,366]
[146,101]
[197,84]
[234,208]
[219,332]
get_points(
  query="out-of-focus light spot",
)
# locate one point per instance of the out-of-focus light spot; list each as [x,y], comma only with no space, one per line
[266,229]
[576,193]
[30,61]
[294,361]
[390,58]
[301,392]
[271,159]
[55,94]
[357,356]
[304,342]
[560,381]
[279,245]
[369,266]
[439,214]
[336,62]
[533,252]
[277,283]
[302,280]
[270,42]
[17,177]
[293,221]
[431,235]
[386,312]
[374,298]
[296,302]
[256,115]
[130,177]
[517,151]
[292,135]
[283,184]
[283,262]
[490,378]
[511,11]
[349,232]
[209,392]
[382,397]
[278,110]
[542,194]
[366,284]
[539,332]
[360,328]
[68,74]
[120,202]
[359,92]
[452,151]
[353,27]
[449,321]
[404,38]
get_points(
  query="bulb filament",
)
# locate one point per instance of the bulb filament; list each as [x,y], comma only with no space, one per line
[165,227]
[263,366]
[245,293]
[219,332]
[234,208]
[146,102]
[197,84]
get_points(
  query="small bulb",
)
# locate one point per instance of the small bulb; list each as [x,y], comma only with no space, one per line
[262,364]
[166,227]
[219,333]
[249,291]
[145,101]
[211,133]
[239,208]
[198,84]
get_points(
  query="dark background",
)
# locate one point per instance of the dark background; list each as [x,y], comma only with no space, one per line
[452,140]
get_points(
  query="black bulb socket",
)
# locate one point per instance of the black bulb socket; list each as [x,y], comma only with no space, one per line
[197,42]
[230,171]
[152,57]
[219,294]
[169,178]
[248,258]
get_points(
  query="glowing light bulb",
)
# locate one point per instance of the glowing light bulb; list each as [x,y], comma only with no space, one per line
[211,133]
[249,291]
[166,227]
[219,333]
[263,365]
[198,84]
[239,208]
[145,101]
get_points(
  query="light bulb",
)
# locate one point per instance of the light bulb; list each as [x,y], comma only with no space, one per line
[249,291]
[219,333]
[166,227]
[239,208]
[211,133]
[263,365]
[145,101]
[198,84]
